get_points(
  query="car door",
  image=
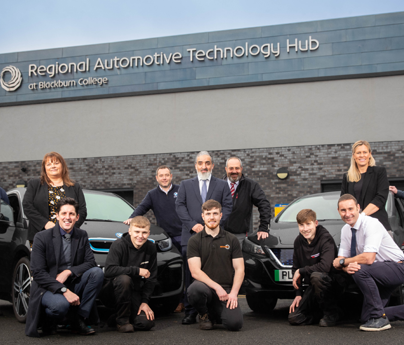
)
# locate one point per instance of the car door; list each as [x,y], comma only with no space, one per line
[7,230]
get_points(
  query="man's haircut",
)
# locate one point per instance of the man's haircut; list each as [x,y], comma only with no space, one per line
[306,215]
[210,204]
[234,157]
[67,201]
[203,153]
[140,222]
[346,197]
[162,167]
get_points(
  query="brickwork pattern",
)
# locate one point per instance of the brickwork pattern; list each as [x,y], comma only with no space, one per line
[307,165]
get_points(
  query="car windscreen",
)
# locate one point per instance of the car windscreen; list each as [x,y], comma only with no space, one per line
[106,207]
[324,206]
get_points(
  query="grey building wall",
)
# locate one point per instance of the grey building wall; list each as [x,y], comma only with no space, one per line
[308,166]
[312,113]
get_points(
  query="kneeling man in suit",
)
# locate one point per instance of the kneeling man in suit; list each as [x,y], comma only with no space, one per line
[65,276]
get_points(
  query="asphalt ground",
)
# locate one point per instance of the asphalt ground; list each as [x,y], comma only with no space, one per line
[271,328]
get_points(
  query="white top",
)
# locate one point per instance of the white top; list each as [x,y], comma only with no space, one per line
[371,237]
[201,183]
[171,186]
[235,184]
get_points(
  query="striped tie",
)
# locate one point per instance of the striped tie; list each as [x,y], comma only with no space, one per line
[232,189]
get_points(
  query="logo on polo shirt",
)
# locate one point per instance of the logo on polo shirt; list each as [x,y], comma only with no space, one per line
[225,247]
[315,255]
[16,78]
[175,195]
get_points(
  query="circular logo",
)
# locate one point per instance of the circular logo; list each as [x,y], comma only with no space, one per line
[16,78]
[118,234]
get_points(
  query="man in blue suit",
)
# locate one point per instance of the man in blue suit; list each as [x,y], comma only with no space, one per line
[191,195]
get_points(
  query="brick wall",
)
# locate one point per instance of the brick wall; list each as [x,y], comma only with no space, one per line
[307,165]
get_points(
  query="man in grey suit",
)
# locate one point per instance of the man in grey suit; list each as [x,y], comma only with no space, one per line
[191,195]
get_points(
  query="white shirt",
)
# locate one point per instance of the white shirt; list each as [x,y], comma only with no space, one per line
[201,183]
[371,237]
[164,190]
[235,184]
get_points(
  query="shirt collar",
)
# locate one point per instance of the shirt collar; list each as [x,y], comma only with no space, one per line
[220,234]
[171,187]
[236,183]
[359,222]
[62,232]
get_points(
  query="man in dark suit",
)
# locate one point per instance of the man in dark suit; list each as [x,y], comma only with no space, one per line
[191,195]
[66,280]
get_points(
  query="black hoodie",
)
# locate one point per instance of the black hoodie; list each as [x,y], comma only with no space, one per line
[124,258]
[314,257]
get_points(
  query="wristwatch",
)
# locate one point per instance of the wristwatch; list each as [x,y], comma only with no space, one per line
[342,262]
[63,289]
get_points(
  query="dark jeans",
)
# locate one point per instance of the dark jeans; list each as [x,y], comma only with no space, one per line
[121,294]
[320,298]
[188,280]
[86,287]
[377,282]
[206,301]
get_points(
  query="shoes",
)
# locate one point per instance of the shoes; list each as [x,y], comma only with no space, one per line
[180,308]
[376,325]
[80,327]
[330,320]
[189,319]
[127,328]
[204,322]
[49,328]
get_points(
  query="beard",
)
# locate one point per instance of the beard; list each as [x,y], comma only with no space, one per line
[212,227]
[204,176]
[234,178]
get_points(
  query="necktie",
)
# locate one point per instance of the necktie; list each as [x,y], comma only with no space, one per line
[204,191]
[232,189]
[353,243]
[67,237]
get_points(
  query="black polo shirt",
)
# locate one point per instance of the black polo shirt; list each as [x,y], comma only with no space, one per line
[216,255]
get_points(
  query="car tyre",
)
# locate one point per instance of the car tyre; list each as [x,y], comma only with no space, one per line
[261,303]
[21,289]
[397,297]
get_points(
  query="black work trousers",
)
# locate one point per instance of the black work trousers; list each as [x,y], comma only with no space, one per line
[121,294]
[320,298]
[205,301]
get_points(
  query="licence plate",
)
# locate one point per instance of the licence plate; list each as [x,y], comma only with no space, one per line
[283,275]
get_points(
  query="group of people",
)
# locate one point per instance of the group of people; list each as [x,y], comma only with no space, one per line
[207,219]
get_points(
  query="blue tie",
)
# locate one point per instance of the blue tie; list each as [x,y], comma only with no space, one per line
[204,191]
[353,243]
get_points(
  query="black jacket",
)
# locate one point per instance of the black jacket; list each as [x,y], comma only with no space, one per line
[124,258]
[314,257]
[375,190]
[45,266]
[36,206]
[247,194]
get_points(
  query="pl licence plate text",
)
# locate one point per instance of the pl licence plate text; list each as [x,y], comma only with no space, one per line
[283,275]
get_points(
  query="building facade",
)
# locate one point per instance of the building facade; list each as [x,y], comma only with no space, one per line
[292,96]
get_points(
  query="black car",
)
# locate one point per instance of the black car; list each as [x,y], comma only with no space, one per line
[268,263]
[105,214]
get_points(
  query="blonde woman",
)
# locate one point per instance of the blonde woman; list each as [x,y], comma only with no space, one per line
[367,183]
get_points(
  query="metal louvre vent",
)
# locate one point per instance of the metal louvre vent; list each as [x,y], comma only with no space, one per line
[101,245]
[285,256]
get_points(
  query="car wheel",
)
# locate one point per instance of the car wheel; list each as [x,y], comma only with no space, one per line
[21,289]
[261,303]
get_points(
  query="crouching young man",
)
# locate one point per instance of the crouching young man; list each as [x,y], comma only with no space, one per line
[130,272]
[217,265]
[313,255]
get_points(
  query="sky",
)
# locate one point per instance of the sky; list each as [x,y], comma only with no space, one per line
[42,24]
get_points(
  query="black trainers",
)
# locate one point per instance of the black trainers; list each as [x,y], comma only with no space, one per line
[204,322]
[376,325]
[79,326]
[330,320]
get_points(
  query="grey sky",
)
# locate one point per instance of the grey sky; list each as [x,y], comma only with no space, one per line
[31,25]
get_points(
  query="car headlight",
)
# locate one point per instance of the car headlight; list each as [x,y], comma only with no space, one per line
[250,247]
[165,245]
